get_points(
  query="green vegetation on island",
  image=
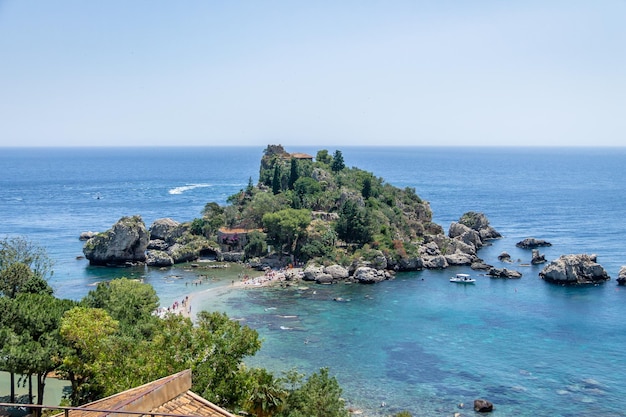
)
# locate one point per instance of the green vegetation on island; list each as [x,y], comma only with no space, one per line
[317,209]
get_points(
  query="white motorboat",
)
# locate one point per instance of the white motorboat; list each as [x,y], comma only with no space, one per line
[462,279]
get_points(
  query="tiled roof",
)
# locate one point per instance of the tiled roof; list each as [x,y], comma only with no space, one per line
[169,395]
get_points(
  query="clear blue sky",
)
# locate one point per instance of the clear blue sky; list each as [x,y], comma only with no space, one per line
[111,73]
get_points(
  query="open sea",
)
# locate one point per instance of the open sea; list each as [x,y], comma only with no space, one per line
[415,343]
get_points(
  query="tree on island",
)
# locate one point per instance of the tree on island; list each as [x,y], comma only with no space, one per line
[337,164]
[285,227]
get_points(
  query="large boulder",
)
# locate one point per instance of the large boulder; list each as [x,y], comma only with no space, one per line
[435,262]
[337,272]
[167,230]
[126,242]
[367,275]
[311,272]
[575,269]
[459,258]
[531,243]
[158,258]
[621,277]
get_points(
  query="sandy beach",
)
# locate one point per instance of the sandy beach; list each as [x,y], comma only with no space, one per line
[241,281]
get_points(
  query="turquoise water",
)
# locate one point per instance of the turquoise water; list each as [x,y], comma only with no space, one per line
[422,344]
[417,342]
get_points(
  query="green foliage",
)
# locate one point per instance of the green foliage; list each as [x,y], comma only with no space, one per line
[354,223]
[284,227]
[256,245]
[403,414]
[262,203]
[293,173]
[320,241]
[323,157]
[29,335]
[276,181]
[21,250]
[366,190]
[129,302]
[89,334]
[319,396]
[220,345]
[267,394]
[337,164]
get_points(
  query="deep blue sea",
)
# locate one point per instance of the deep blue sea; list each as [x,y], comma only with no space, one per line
[416,343]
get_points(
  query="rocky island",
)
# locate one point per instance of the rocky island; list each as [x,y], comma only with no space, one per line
[335,222]
[304,211]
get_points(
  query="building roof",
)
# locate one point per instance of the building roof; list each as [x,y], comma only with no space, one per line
[300,155]
[169,395]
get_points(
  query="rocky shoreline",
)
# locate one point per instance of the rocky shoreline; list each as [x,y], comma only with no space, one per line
[168,242]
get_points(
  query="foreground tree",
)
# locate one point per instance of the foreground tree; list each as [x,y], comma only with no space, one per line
[129,302]
[24,267]
[88,332]
[319,396]
[35,320]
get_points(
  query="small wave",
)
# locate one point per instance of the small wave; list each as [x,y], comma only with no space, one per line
[182,189]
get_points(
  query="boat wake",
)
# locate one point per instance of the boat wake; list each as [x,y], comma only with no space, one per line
[188,187]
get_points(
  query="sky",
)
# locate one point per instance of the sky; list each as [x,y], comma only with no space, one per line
[315,73]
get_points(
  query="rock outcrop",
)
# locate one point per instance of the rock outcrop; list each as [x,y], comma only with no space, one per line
[504,273]
[483,406]
[126,242]
[504,257]
[158,258]
[86,235]
[325,274]
[479,223]
[531,243]
[167,230]
[621,277]
[575,269]
[537,258]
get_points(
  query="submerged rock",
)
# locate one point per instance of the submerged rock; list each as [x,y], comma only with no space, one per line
[575,269]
